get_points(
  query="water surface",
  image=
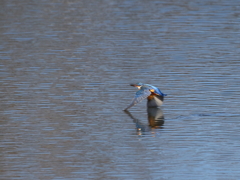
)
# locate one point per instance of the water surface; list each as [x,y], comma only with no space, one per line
[65,73]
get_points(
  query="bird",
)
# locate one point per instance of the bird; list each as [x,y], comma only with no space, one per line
[153,94]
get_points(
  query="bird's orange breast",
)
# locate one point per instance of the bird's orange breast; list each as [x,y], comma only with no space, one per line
[150,97]
[153,92]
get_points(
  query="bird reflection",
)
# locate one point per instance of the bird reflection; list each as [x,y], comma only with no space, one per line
[155,120]
[155,117]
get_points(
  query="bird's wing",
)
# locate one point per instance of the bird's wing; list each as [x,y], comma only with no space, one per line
[140,95]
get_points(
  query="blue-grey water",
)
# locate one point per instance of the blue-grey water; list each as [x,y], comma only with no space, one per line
[65,69]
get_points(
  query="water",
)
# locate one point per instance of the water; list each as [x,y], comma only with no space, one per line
[65,73]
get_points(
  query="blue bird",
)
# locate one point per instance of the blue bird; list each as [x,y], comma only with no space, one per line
[153,94]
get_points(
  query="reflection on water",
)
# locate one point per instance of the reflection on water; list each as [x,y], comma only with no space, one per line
[155,120]
[155,117]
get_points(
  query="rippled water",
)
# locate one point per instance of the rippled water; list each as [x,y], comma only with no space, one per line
[65,73]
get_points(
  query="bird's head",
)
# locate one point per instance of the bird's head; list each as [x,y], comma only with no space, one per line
[138,85]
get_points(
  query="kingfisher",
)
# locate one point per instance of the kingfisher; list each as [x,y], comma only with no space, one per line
[153,94]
